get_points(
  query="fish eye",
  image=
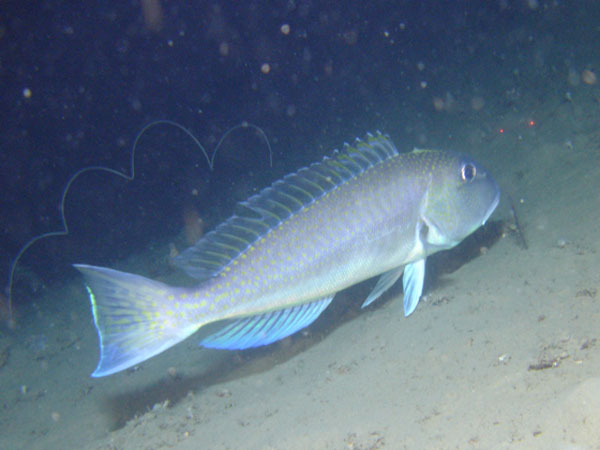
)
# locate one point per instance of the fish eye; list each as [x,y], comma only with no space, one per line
[468,172]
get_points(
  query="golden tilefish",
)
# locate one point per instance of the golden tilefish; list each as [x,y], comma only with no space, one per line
[276,264]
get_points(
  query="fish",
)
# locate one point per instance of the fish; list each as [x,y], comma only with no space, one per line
[273,267]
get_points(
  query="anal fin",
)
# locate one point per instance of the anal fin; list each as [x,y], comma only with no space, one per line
[264,329]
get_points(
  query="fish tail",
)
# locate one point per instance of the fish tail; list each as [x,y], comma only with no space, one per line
[132,316]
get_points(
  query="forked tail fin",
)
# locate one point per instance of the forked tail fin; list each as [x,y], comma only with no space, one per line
[133,317]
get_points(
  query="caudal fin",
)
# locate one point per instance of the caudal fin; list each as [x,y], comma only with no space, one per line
[132,316]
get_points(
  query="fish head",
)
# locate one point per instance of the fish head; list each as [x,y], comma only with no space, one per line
[461,195]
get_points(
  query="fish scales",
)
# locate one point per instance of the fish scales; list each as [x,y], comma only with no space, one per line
[352,233]
[274,267]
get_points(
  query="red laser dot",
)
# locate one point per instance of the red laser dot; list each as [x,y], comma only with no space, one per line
[501,130]
[531,123]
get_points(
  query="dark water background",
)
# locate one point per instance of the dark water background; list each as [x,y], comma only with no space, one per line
[80,79]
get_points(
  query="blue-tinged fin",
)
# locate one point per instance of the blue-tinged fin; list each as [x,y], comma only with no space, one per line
[412,282]
[264,329]
[129,314]
[262,212]
[386,280]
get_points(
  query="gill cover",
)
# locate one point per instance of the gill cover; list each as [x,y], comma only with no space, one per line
[460,197]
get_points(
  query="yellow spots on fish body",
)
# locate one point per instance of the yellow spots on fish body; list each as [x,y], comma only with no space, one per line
[220,297]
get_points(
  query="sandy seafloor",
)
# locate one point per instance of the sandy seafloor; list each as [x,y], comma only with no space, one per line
[504,352]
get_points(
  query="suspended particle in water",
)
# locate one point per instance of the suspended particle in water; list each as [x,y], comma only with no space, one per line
[224,48]
[438,103]
[265,68]
[588,77]
[477,103]
[350,37]
[153,15]
[573,77]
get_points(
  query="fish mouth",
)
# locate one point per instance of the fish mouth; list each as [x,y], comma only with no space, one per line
[492,207]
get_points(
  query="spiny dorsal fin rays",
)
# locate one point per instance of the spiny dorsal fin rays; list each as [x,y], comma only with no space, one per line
[262,212]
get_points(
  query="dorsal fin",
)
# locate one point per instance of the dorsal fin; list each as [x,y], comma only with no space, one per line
[273,205]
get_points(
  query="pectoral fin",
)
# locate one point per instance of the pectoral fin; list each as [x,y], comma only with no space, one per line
[412,281]
[385,282]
